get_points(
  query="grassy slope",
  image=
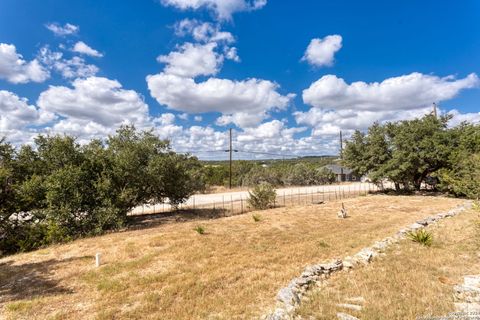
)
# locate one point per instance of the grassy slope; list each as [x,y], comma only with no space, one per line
[411,281]
[171,272]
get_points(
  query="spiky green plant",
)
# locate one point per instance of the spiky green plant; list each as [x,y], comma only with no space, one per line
[199,229]
[421,236]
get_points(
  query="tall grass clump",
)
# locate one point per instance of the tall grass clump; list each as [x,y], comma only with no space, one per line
[256,217]
[199,229]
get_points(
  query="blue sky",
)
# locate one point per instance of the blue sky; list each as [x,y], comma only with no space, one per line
[286,75]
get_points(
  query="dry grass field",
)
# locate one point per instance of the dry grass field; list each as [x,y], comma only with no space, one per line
[412,281]
[169,271]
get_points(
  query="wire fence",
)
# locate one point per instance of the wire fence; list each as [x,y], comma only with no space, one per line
[237,203]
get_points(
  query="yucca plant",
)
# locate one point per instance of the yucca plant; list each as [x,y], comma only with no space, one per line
[421,236]
[199,229]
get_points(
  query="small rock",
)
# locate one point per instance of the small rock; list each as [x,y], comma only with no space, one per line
[345,316]
[288,296]
[278,314]
[380,245]
[304,281]
[348,263]
[423,222]
[356,299]
[415,226]
[472,281]
[349,306]
[467,307]
[365,255]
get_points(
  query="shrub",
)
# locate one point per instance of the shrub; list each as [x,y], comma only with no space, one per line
[323,244]
[304,174]
[200,229]
[421,236]
[262,196]
[256,217]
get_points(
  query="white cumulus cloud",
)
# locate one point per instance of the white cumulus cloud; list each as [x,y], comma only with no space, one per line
[337,105]
[223,9]
[15,69]
[216,95]
[95,99]
[76,67]
[241,119]
[329,122]
[321,52]
[202,31]
[83,48]
[411,91]
[65,30]
[192,60]
[459,117]
[18,118]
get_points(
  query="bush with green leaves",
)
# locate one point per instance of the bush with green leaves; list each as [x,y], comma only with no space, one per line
[421,236]
[262,196]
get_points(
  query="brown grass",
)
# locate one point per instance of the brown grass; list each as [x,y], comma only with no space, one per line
[411,281]
[233,271]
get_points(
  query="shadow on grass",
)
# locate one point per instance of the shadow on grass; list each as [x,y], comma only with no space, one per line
[31,280]
[423,192]
[154,219]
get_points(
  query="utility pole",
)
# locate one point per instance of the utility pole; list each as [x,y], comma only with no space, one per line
[341,157]
[230,150]
[435,109]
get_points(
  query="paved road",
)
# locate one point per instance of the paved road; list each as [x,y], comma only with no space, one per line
[217,198]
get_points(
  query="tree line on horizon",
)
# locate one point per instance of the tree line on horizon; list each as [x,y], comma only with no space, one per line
[298,172]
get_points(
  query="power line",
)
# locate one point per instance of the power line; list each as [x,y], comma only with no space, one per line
[269,153]
[255,152]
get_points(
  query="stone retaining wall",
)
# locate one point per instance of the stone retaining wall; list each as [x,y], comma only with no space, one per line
[290,297]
